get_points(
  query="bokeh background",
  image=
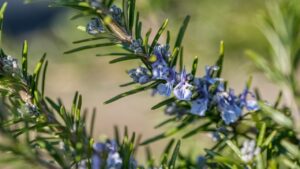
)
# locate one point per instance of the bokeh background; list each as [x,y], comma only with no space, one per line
[50,30]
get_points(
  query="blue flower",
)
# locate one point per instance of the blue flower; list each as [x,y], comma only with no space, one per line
[183,90]
[162,52]
[133,163]
[208,74]
[96,161]
[116,14]
[199,106]
[136,46]
[165,89]
[249,104]
[114,161]
[229,107]
[139,75]
[161,71]
[106,153]
[95,3]
[95,27]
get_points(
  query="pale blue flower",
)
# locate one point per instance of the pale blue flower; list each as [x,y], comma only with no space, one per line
[114,161]
[183,90]
[208,74]
[161,71]
[139,75]
[136,46]
[169,76]
[229,107]
[95,27]
[249,150]
[95,3]
[162,52]
[249,103]
[165,89]
[96,161]
[199,106]
[106,152]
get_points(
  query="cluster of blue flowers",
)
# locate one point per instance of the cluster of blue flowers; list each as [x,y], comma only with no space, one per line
[106,156]
[200,92]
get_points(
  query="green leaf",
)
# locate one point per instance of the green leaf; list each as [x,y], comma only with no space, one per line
[90,39]
[92,124]
[138,27]
[249,82]
[168,148]
[234,148]
[220,60]
[226,161]
[163,103]
[125,13]
[168,39]
[44,78]
[114,54]
[276,115]
[262,132]
[109,3]
[195,65]
[24,58]
[279,97]
[146,40]
[174,155]
[36,74]
[127,84]
[126,58]
[174,57]
[90,47]
[187,121]
[55,106]
[158,34]
[131,92]
[131,15]
[202,127]
[181,59]
[293,149]
[117,135]
[269,139]
[82,6]
[2,10]
[182,32]
[165,122]
[83,14]
[150,161]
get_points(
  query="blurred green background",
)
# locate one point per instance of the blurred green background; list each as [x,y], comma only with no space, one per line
[52,31]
